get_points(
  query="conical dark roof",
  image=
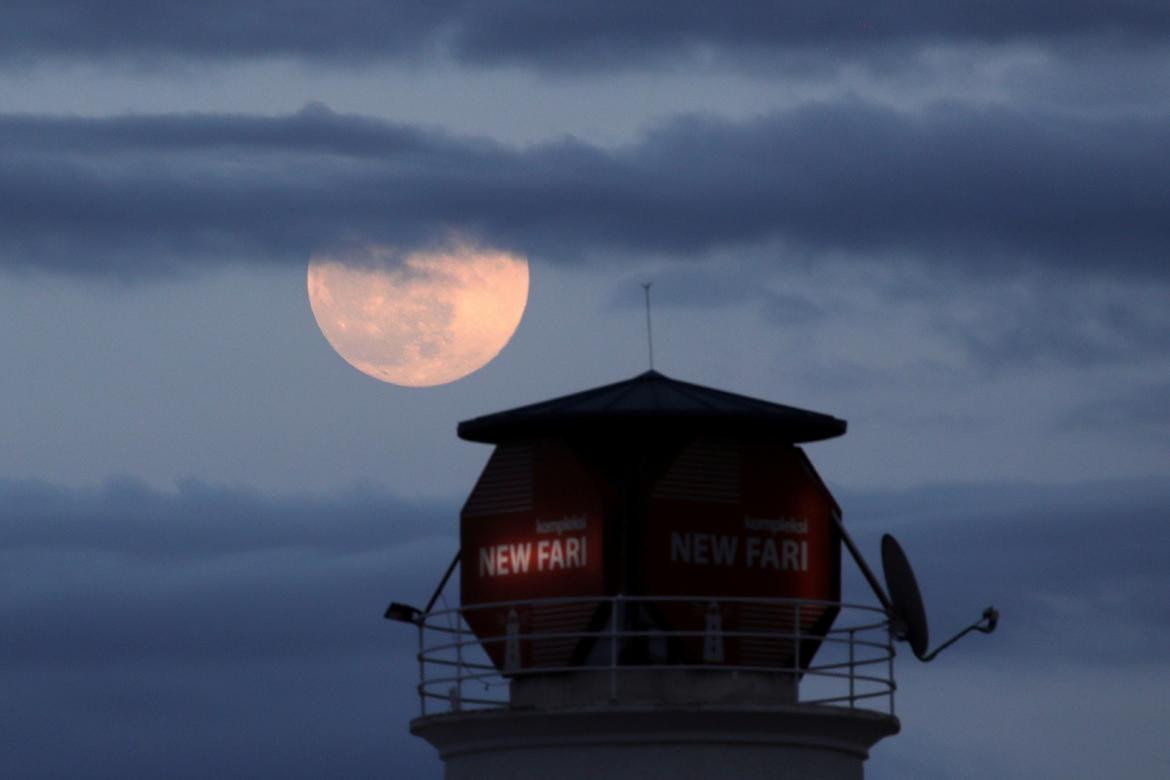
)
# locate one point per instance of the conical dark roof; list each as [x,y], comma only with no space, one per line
[653,400]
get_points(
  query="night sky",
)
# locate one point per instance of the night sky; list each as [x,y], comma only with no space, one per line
[947,223]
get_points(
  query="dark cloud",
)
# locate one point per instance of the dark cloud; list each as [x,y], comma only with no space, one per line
[125,517]
[1137,410]
[1052,322]
[344,716]
[211,631]
[207,574]
[984,190]
[576,35]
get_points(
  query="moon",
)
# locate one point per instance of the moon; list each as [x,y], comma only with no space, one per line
[421,319]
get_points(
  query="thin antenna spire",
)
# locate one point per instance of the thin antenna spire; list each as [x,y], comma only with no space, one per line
[649,333]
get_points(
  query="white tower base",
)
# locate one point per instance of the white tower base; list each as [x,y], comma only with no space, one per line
[806,742]
[634,738]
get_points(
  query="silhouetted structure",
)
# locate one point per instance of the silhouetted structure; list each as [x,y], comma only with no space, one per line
[650,578]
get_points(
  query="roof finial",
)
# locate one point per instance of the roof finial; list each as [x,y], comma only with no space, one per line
[649,333]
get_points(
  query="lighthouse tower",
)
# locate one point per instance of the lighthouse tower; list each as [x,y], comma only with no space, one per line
[650,587]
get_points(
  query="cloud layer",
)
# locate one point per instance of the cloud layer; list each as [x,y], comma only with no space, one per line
[982,189]
[574,35]
[210,631]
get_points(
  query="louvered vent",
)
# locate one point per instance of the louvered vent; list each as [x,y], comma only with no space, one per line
[506,484]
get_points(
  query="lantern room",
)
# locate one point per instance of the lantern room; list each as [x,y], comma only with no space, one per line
[694,508]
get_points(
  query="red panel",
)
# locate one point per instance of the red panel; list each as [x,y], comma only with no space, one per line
[735,519]
[532,528]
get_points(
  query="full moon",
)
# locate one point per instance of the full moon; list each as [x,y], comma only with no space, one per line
[420,319]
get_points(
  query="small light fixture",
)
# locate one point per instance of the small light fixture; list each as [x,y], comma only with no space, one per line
[403,613]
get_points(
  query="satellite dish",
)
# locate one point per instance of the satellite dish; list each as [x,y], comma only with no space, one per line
[904,603]
[907,611]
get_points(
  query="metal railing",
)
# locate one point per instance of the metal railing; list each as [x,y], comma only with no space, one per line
[849,663]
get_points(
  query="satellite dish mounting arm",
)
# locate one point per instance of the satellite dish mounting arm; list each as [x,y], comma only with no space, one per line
[984,625]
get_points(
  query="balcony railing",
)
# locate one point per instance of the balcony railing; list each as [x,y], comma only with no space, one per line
[849,663]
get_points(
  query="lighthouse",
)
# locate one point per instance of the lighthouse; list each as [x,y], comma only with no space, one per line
[649,580]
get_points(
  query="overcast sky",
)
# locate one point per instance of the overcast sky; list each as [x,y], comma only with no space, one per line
[946,223]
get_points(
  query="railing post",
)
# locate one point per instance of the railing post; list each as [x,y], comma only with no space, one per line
[616,618]
[890,655]
[796,651]
[852,666]
[422,668]
[457,704]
